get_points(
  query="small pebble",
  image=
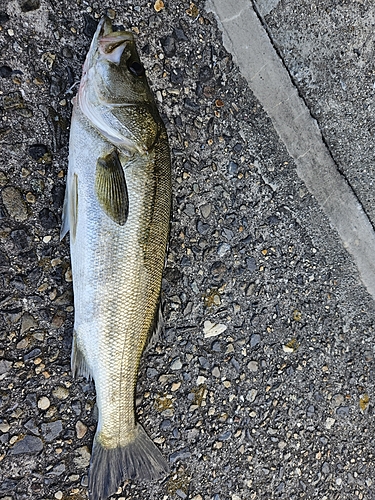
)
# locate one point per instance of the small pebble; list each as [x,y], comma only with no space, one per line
[4,427]
[181,494]
[253,366]
[159,5]
[287,349]
[213,329]
[30,198]
[81,429]
[14,203]
[60,392]
[176,364]
[206,210]
[337,399]
[201,380]
[82,460]
[329,422]
[44,403]
[251,395]
[51,430]
[255,339]
[223,249]
[59,495]
[232,167]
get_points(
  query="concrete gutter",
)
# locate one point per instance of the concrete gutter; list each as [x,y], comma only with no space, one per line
[245,37]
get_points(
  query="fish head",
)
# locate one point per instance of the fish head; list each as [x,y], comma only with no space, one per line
[113,72]
[114,94]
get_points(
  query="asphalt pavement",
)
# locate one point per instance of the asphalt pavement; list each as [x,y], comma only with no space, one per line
[262,385]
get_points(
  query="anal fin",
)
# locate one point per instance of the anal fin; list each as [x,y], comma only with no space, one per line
[156,328]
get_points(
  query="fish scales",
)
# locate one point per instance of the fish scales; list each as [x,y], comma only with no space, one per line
[117,208]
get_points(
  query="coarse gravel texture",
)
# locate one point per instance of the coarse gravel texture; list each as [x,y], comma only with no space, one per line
[262,385]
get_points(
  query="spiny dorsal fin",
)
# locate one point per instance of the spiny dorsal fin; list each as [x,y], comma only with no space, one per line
[110,188]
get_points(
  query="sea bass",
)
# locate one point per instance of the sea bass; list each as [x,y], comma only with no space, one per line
[117,209]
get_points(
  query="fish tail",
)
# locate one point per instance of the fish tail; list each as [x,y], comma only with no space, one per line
[140,459]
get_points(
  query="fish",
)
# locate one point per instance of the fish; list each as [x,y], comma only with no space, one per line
[117,209]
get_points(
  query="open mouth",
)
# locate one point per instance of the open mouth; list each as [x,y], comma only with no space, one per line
[111,43]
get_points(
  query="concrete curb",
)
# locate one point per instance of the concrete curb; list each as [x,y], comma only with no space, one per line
[245,37]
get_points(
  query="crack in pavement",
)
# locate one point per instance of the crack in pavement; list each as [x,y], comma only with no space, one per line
[272,84]
[282,59]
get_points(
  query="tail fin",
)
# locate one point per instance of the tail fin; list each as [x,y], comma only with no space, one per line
[140,459]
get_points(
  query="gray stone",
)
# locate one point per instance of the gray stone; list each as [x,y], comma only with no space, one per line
[8,486]
[181,494]
[57,470]
[251,264]
[31,426]
[225,436]
[254,340]
[325,468]
[223,249]
[28,444]
[182,454]
[14,203]
[206,210]
[51,430]
[5,366]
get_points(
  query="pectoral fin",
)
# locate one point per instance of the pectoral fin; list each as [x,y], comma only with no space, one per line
[110,188]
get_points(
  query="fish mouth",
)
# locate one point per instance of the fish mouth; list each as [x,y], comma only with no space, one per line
[112,46]
[109,43]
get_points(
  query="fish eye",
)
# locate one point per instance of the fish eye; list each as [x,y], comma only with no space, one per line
[136,68]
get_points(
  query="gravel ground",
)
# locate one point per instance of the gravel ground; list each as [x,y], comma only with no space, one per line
[263,383]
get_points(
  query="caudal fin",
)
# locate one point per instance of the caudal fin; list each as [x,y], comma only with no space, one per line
[140,459]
